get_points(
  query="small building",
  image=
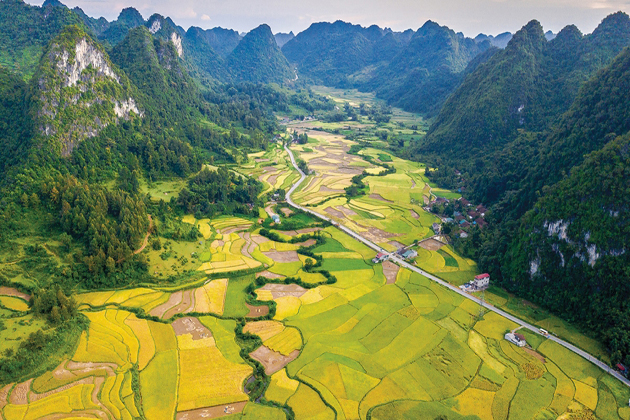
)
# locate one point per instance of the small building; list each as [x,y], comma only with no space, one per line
[448,220]
[516,339]
[464,202]
[381,256]
[482,280]
[436,228]
[410,254]
[275,218]
[481,209]
[463,235]
[465,224]
[480,222]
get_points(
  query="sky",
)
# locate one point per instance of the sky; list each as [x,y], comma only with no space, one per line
[468,16]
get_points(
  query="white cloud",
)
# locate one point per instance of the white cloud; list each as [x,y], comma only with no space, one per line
[205,17]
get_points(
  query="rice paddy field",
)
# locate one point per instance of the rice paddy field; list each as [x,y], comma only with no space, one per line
[379,342]
[272,168]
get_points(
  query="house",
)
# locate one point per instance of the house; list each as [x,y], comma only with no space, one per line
[275,218]
[459,218]
[381,256]
[516,339]
[456,213]
[448,220]
[464,202]
[473,214]
[480,222]
[464,225]
[482,280]
[481,209]
[436,228]
[441,200]
[463,235]
[410,254]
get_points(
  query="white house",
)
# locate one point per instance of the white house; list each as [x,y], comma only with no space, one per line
[516,339]
[482,280]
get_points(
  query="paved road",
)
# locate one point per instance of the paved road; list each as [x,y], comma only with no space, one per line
[455,289]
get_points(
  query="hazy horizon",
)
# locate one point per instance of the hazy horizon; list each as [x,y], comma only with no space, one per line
[490,17]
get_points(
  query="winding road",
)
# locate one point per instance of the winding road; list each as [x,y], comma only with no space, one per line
[455,289]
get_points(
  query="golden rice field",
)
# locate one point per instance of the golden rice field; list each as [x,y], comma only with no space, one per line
[375,344]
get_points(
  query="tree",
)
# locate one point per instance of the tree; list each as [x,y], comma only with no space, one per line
[308,264]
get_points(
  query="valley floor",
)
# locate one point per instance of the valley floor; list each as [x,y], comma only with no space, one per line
[350,340]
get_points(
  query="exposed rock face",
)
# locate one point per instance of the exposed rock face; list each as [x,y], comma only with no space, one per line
[79,92]
[155,26]
[177,41]
[86,55]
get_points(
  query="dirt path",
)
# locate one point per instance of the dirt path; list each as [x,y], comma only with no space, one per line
[146,238]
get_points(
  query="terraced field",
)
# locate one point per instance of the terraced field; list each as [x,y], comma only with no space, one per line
[399,350]
[356,341]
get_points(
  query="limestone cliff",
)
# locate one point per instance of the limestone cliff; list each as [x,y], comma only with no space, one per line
[77,91]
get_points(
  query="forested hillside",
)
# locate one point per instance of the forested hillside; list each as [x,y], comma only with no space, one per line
[571,252]
[413,70]
[22,48]
[330,52]
[426,70]
[518,143]
[258,59]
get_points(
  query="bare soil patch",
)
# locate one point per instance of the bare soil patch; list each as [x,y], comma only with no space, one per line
[193,326]
[535,354]
[217,243]
[186,305]
[414,214]
[269,275]
[273,178]
[20,393]
[280,290]
[271,360]
[301,231]
[173,300]
[307,243]
[234,229]
[261,160]
[335,213]
[259,239]
[256,311]
[286,211]
[283,256]
[348,212]
[379,197]
[212,412]
[426,199]
[349,170]
[431,244]
[324,188]
[391,271]
[4,393]
[10,291]
[83,367]
[377,235]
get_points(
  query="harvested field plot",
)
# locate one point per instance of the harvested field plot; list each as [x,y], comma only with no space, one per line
[431,244]
[273,361]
